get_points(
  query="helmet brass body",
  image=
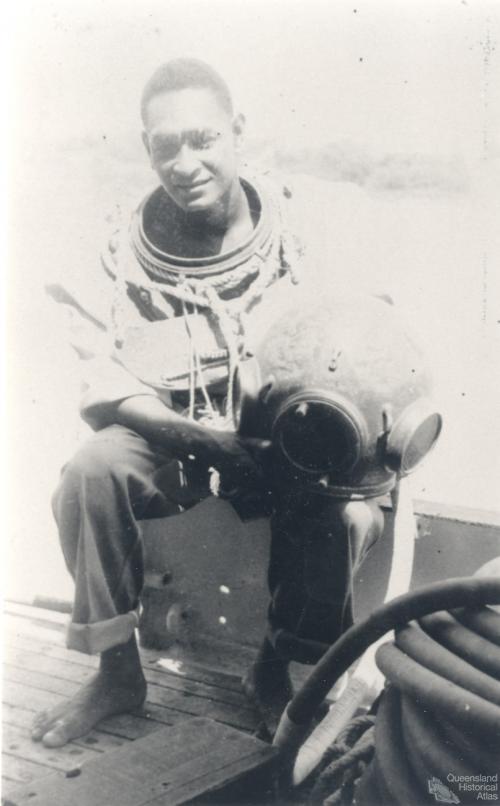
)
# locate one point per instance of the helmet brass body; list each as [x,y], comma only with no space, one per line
[343,391]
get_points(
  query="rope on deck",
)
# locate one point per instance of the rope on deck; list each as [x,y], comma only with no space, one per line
[345,761]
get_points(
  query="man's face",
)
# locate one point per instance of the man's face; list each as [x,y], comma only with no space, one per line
[191,141]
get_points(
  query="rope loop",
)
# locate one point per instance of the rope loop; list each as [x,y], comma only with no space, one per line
[345,762]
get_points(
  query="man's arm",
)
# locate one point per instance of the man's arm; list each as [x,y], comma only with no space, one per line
[225,450]
[113,395]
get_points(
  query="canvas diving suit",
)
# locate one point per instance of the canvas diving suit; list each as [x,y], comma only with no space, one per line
[176,329]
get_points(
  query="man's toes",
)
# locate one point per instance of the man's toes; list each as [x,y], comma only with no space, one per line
[40,725]
[57,736]
[37,733]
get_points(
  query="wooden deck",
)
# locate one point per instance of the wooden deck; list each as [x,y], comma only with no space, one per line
[39,671]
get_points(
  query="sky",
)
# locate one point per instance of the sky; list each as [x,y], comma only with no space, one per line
[410,76]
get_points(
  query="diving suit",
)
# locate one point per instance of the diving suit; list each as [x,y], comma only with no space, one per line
[178,329]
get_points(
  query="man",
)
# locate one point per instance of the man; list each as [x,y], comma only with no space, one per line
[204,255]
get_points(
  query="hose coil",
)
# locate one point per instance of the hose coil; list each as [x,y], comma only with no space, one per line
[437,732]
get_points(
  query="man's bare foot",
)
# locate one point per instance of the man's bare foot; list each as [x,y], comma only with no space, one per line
[268,686]
[118,686]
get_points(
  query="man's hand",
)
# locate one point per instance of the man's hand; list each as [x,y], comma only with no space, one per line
[241,461]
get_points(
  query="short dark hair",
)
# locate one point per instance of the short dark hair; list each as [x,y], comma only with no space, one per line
[182,74]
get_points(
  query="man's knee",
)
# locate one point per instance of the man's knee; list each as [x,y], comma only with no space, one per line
[102,461]
[105,455]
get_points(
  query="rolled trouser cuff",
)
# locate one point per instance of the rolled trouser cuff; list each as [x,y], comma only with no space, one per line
[102,635]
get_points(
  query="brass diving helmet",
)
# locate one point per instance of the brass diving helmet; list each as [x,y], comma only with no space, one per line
[343,391]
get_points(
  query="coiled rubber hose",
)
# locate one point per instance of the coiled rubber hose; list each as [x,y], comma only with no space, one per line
[437,732]
[469,592]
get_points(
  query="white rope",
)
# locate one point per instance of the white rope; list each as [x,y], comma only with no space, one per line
[210,409]
[192,368]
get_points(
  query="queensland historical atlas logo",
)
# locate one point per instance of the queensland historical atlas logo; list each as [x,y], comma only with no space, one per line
[441,792]
[484,787]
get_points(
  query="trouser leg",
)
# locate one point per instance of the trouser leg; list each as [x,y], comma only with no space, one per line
[111,483]
[316,544]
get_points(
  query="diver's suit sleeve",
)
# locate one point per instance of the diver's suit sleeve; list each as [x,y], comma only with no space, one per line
[85,309]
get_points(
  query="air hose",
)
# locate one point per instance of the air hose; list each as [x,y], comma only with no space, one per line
[437,727]
[470,712]
[470,592]
[484,622]
[437,732]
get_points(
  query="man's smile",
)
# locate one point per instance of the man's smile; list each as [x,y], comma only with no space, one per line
[193,185]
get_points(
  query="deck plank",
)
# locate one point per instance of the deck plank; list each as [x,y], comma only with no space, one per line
[171,767]
[39,671]
[20,770]
[20,633]
[132,725]
[18,742]
[125,726]
[37,613]
[21,717]
[81,672]
[227,662]
[188,704]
